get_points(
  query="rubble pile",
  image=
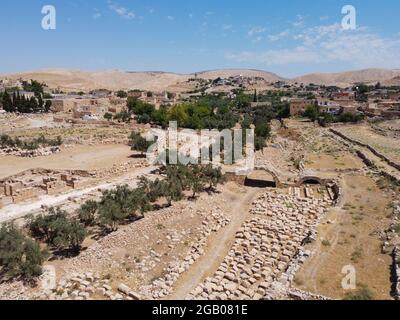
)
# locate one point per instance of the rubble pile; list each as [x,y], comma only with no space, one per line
[162,287]
[264,249]
[40,152]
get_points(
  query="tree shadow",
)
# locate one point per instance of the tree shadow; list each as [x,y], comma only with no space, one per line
[212,191]
[66,253]
[157,207]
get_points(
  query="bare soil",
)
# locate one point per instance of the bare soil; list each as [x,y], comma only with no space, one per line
[350,236]
[75,158]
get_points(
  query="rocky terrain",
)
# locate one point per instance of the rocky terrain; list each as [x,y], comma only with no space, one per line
[343,79]
[264,248]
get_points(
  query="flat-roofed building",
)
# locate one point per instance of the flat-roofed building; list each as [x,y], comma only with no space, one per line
[299,105]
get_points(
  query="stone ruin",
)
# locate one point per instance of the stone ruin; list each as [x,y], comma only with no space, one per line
[31,184]
[264,249]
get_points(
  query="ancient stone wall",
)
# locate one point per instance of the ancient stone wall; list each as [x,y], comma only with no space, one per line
[375,152]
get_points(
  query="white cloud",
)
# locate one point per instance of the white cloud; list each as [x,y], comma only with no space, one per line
[279,36]
[170,18]
[121,11]
[227,27]
[331,44]
[96,14]
[299,21]
[256,30]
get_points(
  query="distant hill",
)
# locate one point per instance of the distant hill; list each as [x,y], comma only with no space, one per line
[344,79]
[111,79]
[75,80]
[392,82]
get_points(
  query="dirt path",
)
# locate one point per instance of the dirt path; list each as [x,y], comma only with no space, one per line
[217,248]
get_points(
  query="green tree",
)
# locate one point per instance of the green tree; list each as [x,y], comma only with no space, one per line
[196,180]
[19,255]
[87,212]
[312,113]
[32,261]
[178,113]
[47,106]
[138,143]
[263,130]
[123,116]
[121,94]
[259,143]
[76,234]
[40,102]
[108,116]
[213,176]
[172,190]
[58,230]
[110,214]
[7,103]
[363,293]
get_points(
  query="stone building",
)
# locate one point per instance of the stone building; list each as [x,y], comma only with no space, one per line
[299,105]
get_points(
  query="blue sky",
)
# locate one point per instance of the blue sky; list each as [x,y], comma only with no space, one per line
[289,37]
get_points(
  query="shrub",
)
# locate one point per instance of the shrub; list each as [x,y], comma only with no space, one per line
[58,230]
[363,293]
[138,143]
[19,255]
[41,141]
[87,212]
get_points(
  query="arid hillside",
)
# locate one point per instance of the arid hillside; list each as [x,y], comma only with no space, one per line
[108,79]
[76,80]
[343,79]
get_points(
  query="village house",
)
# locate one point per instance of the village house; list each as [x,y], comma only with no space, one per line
[343,96]
[89,112]
[69,104]
[353,109]
[136,94]
[299,105]
[328,106]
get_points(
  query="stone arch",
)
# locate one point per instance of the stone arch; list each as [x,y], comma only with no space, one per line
[272,173]
[260,179]
[311,180]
